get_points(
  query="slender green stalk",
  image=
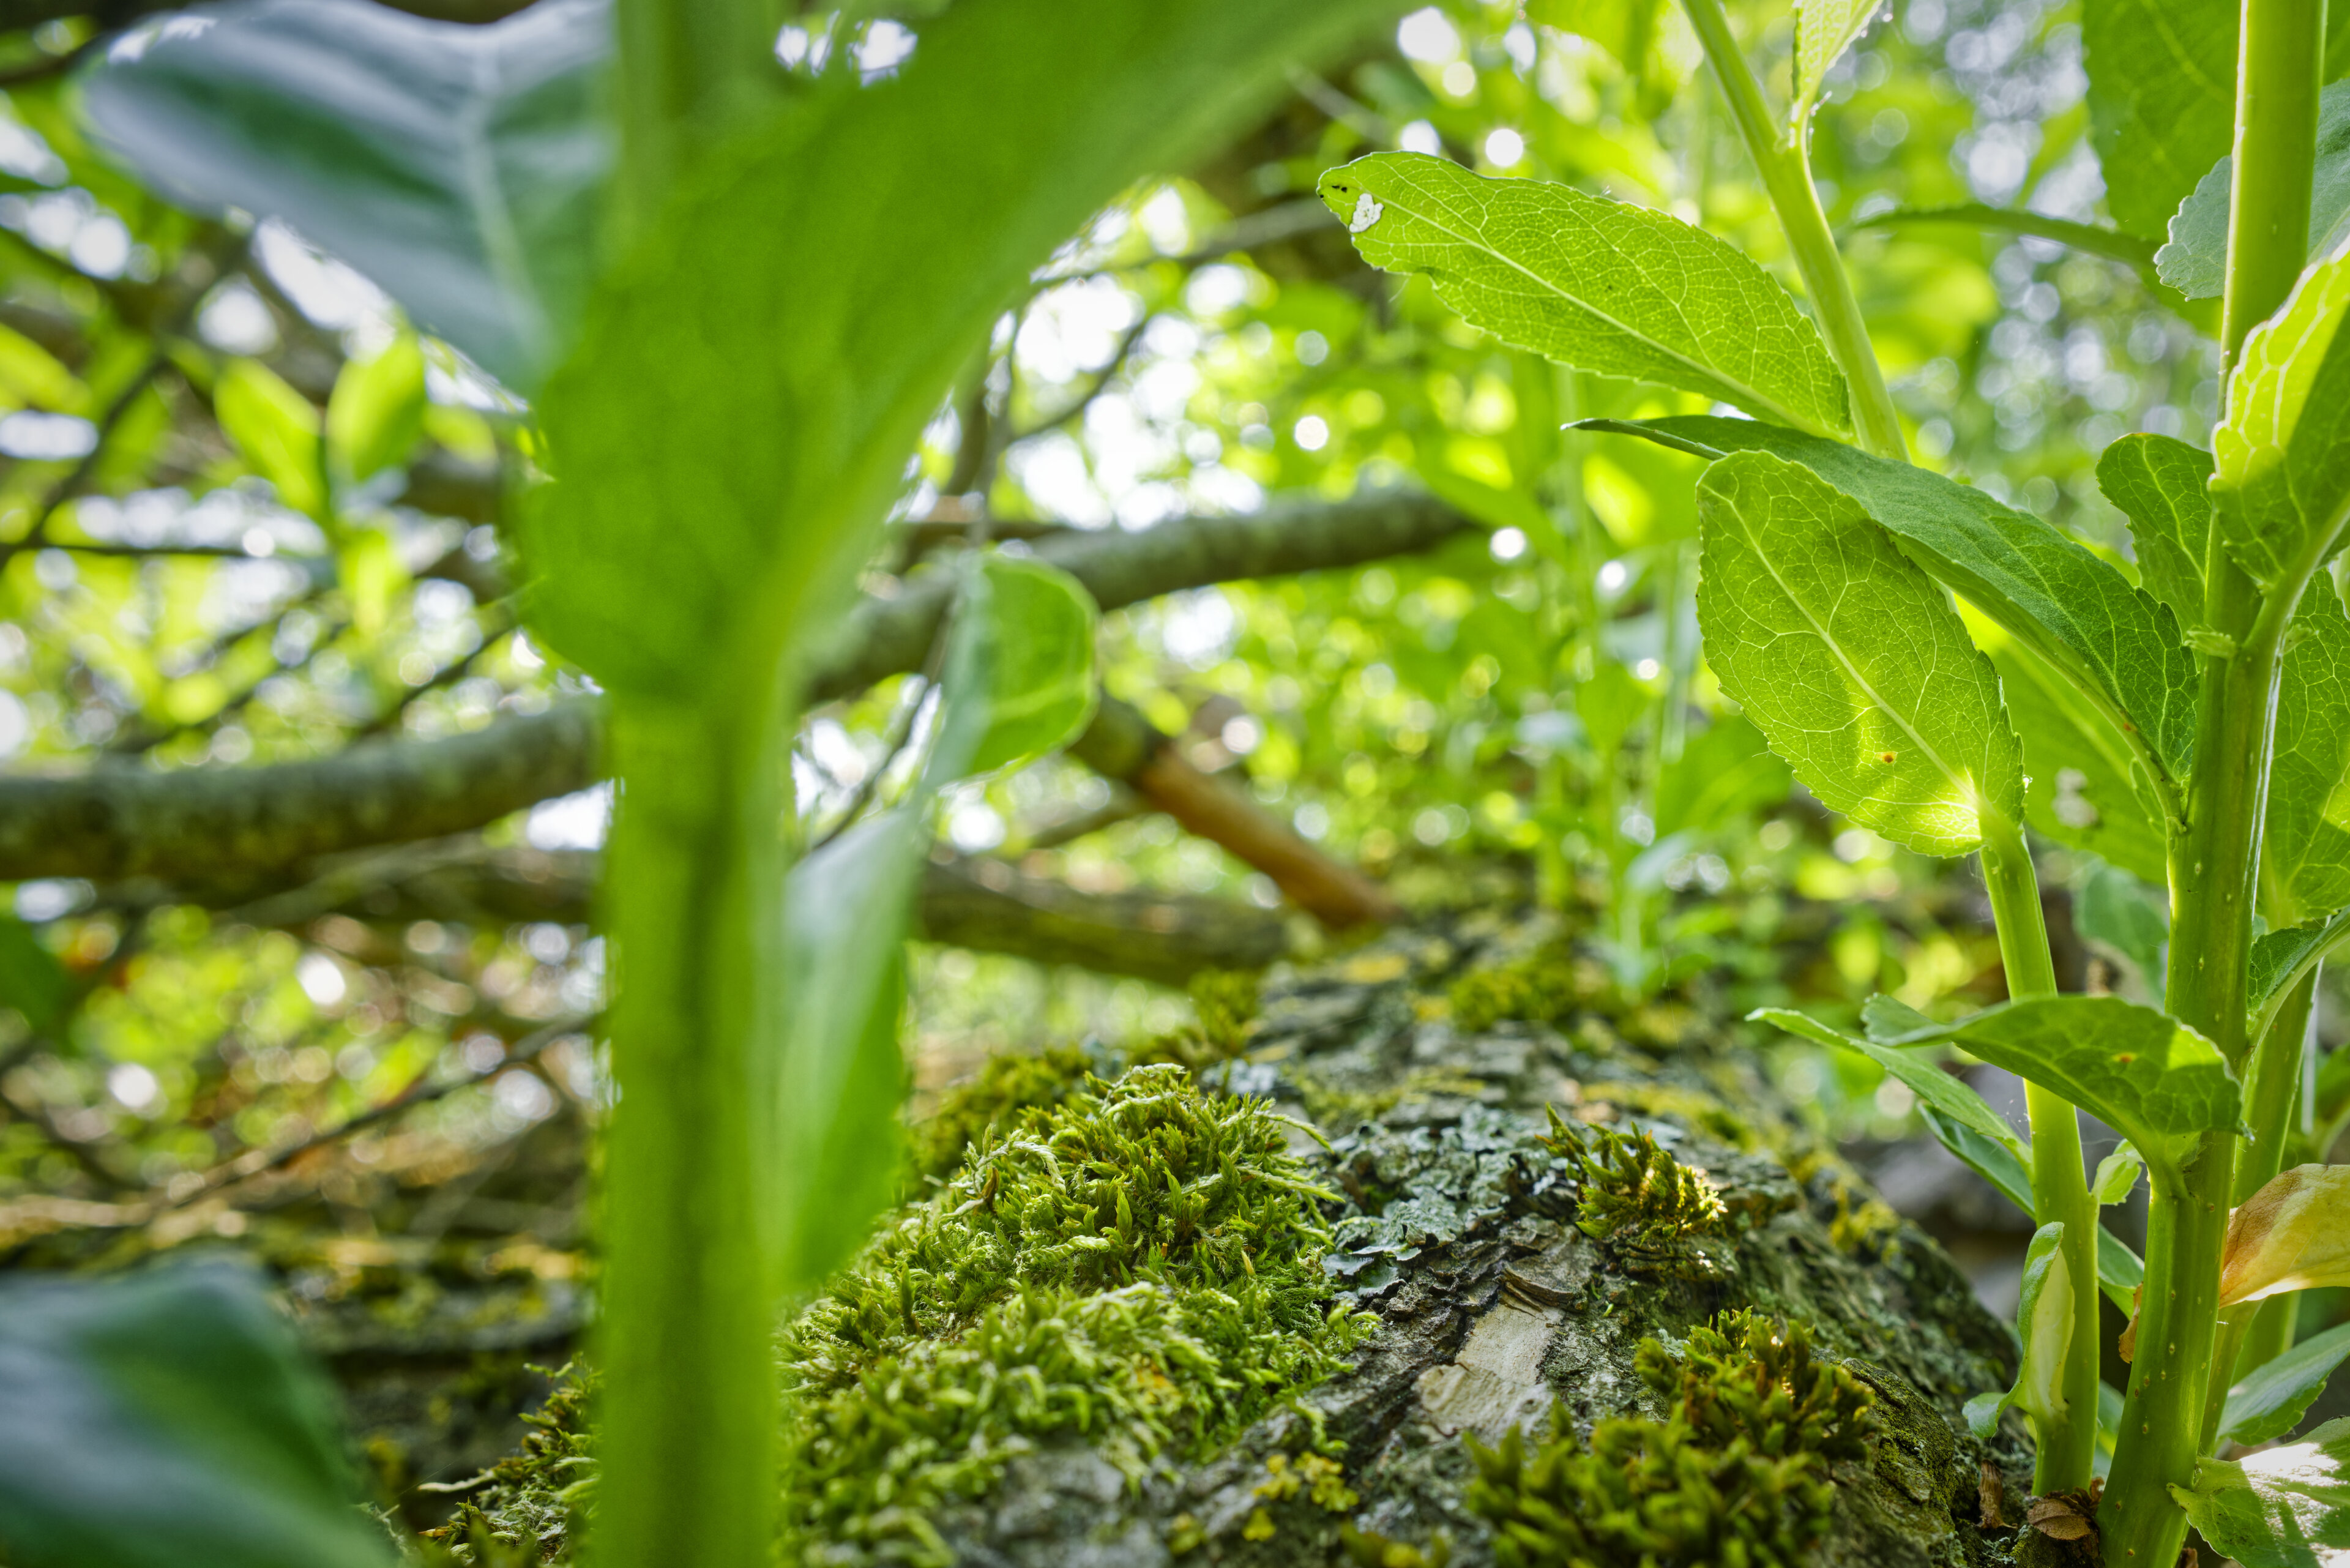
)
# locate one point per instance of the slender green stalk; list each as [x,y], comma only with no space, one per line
[2060,1187]
[690,1402]
[2212,863]
[1781,158]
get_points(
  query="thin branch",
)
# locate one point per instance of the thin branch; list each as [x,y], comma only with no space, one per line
[2095,240]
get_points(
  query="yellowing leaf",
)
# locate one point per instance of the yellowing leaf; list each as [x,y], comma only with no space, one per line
[1603,286]
[2294,1234]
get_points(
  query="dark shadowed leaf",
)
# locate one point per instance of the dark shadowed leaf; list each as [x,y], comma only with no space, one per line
[2272,1400]
[2194,262]
[461,167]
[167,1420]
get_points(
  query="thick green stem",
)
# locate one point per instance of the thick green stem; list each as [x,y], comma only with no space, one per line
[1781,158]
[2213,862]
[2060,1187]
[689,1384]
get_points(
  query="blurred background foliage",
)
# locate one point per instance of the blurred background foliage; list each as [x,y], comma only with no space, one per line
[247,515]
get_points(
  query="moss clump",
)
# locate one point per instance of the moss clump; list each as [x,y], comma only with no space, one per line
[1648,1207]
[1007,1086]
[1140,1266]
[1737,1475]
[1543,987]
[526,1511]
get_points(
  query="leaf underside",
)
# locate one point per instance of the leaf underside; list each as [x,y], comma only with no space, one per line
[2194,262]
[2281,480]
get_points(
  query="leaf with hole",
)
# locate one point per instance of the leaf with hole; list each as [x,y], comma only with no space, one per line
[1596,284]
[1849,658]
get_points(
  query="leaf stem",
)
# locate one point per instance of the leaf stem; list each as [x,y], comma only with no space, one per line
[2060,1187]
[2213,862]
[1782,160]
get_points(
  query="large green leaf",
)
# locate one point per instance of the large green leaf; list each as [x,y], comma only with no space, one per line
[2119,646]
[2144,1074]
[1825,29]
[1849,658]
[820,285]
[2270,1402]
[1018,682]
[2194,262]
[2128,914]
[1962,1123]
[2305,849]
[1600,285]
[2280,483]
[167,1420]
[2162,100]
[2285,1508]
[461,167]
[2162,486]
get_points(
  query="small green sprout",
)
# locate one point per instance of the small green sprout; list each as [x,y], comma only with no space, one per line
[1638,1198]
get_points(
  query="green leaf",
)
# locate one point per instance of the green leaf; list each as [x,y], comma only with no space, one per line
[32,980]
[2126,915]
[2285,1508]
[2162,486]
[2280,959]
[2305,846]
[2272,1400]
[1948,1096]
[2162,100]
[1600,285]
[1849,658]
[1625,28]
[2117,1178]
[1825,29]
[1987,1147]
[277,429]
[1725,774]
[2044,1319]
[1041,683]
[2081,785]
[461,167]
[377,410]
[2146,1074]
[168,1420]
[917,206]
[2194,262]
[2280,483]
[2114,641]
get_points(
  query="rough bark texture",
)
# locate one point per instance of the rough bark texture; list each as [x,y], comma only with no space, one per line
[1506,1307]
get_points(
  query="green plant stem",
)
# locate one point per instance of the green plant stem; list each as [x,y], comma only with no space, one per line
[2249,1333]
[690,1402]
[2060,1187]
[1780,156]
[2212,863]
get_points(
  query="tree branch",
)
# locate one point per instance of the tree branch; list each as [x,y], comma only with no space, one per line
[257,827]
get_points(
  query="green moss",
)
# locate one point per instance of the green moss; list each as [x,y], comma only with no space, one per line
[1652,1210]
[1140,1266]
[1009,1083]
[526,1513]
[1736,1475]
[1543,987]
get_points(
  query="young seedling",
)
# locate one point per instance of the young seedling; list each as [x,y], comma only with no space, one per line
[2199,701]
